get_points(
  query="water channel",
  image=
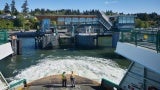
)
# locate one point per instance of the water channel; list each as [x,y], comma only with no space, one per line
[35,63]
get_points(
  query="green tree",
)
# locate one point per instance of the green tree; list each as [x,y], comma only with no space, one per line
[146,24]
[54,23]
[33,22]
[13,8]
[27,25]
[25,8]
[19,21]
[1,12]
[142,24]
[137,23]
[42,11]
[6,8]
[6,24]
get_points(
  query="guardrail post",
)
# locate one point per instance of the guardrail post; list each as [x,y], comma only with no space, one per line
[122,36]
[136,38]
[158,41]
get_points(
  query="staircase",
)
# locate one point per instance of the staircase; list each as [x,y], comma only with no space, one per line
[104,20]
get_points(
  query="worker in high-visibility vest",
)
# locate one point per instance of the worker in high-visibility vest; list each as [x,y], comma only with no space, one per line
[72,78]
[64,79]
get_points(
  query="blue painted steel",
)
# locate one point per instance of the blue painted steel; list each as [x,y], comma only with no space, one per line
[45,25]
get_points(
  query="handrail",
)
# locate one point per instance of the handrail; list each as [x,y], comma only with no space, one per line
[14,85]
[105,17]
[145,38]
[104,20]
[108,84]
[3,36]
[1,75]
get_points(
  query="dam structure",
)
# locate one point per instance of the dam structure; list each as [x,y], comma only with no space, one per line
[83,31]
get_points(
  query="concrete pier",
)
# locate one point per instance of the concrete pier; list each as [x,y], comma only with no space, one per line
[54,83]
[16,45]
[47,41]
[86,41]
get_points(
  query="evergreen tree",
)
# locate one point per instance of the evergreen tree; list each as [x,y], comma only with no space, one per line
[25,8]
[1,11]
[6,8]
[13,8]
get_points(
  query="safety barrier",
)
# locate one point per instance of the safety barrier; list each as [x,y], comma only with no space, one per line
[4,85]
[18,84]
[3,36]
[109,85]
[145,38]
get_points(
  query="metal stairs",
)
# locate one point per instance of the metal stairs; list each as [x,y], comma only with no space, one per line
[104,20]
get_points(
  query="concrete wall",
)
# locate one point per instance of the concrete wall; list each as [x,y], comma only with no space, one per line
[86,41]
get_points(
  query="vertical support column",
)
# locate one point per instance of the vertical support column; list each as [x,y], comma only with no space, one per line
[144,80]
[35,42]
[136,38]
[19,47]
[115,38]
[73,29]
[122,36]
[14,46]
[96,40]
[65,20]
[158,41]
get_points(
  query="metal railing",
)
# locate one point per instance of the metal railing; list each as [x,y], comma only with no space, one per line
[145,38]
[4,82]
[104,20]
[109,85]
[17,84]
[3,36]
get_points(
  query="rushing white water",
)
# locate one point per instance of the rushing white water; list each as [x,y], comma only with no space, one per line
[90,67]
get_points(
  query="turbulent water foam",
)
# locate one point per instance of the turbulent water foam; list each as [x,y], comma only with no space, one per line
[90,67]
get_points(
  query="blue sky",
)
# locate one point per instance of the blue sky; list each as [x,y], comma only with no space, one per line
[125,6]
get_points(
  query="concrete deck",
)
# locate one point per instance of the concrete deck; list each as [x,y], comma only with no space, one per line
[54,83]
[59,87]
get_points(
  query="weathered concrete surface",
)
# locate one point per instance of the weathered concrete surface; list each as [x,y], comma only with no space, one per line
[59,87]
[56,79]
[54,83]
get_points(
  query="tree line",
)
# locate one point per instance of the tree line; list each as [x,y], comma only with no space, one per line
[13,10]
[22,21]
[26,19]
[144,20]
